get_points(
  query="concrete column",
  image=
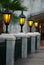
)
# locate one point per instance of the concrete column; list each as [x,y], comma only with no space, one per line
[24,47]
[10,46]
[32,44]
[38,42]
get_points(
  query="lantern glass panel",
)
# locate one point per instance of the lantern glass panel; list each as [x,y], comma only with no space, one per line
[6,18]
[36,24]
[40,26]
[22,20]
[30,23]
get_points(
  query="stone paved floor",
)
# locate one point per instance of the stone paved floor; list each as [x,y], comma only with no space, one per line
[42,43]
[33,59]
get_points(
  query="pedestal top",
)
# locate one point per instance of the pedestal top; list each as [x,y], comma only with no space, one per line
[7,36]
[25,34]
[12,36]
[30,34]
[19,34]
[36,33]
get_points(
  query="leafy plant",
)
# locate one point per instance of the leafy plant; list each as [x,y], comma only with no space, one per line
[12,5]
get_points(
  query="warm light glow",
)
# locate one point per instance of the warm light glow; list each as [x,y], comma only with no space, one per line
[40,26]
[22,20]
[30,23]
[6,18]
[36,24]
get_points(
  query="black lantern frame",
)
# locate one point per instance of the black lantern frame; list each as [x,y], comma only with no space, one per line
[30,22]
[22,20]
[6,13]
[36,24]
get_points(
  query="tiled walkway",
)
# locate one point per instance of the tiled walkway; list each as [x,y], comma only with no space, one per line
[42,43]
[33,59]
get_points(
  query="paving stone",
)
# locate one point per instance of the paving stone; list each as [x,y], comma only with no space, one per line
[33,59]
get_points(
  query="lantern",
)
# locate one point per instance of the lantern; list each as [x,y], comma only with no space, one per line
[6,17]
[22,20]
[30,22]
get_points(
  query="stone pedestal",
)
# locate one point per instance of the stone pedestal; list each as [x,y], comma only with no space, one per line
[24,47]
[31,43]
[37,41]
[23,42]
[10,47]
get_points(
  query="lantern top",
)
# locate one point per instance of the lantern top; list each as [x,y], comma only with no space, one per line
[22,15]
[36,20]
[6,11]
[30,18]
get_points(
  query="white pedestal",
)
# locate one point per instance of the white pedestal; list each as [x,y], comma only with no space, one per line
[24,43]
[24,47]
[38,42]
[10,47]
[10,52]
[32,44]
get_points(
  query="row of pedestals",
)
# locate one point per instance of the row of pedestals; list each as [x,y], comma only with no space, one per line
[26,44]
[20,45]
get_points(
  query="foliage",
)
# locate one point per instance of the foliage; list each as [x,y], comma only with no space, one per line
[12,5]
[14,19]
